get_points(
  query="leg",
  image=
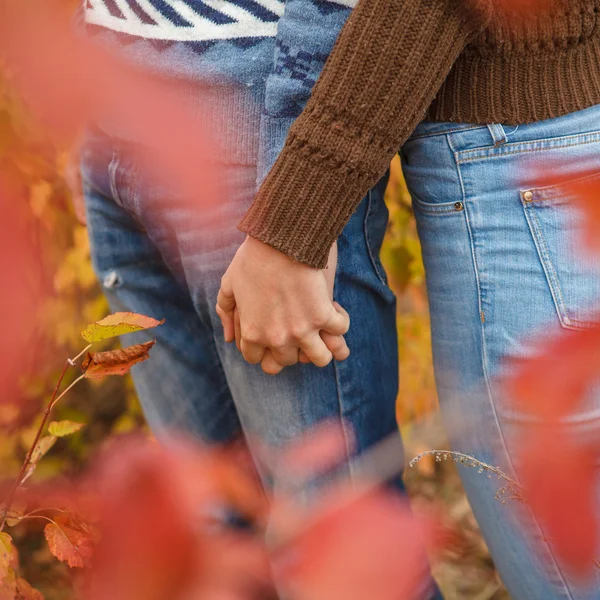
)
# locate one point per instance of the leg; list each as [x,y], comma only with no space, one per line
[183,386]
[490,295]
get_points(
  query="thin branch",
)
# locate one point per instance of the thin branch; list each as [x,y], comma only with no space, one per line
[72,385]
[72,361]
[53,400]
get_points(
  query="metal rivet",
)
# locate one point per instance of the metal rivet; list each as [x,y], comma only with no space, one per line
[528,196]
[458,206]
[111,280]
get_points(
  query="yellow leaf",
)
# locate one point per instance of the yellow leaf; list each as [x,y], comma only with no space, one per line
[41,449]
[64,428]
[118,324]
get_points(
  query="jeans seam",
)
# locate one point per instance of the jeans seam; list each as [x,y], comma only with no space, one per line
[447,132]
[112,172]
[339,393]
[484,363]
[380,276]
[491,152]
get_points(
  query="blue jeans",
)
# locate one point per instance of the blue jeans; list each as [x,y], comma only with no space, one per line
[504,272]
[164,260]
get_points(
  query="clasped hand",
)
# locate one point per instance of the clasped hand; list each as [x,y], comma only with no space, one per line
[279,311]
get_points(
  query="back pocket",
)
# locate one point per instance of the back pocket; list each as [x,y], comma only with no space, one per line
[556,218]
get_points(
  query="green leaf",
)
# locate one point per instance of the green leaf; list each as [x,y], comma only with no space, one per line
[64,428]
[118,324]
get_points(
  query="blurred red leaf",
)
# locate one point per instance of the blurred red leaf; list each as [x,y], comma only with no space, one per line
[557,466]
[550,384]
[69,542]
[370,547]
[559,478]
[20,283]
[159,539]
[97,365]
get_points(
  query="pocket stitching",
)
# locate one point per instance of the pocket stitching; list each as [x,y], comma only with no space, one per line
[511,149]
[541,245]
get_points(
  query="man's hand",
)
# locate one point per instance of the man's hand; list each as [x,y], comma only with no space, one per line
[284,309]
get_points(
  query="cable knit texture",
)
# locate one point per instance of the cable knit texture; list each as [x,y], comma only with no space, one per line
[397,62]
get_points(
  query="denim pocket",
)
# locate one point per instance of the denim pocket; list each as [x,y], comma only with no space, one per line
[556,221]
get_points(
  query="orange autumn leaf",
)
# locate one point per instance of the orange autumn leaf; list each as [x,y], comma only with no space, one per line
[26,592]
[97,365]
[68,542]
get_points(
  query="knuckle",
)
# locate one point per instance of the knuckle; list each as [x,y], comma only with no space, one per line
[298,332]
[251,334]
[277,338]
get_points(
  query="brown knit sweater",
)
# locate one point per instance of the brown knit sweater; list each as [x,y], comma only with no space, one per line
[397,62]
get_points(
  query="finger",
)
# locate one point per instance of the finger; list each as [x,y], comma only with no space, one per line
[225,297]
[228,324]
[285,355]
[302,358]
[316,350]
[338,322]
[253,353]
[336,344]
[269,365]
[237,328]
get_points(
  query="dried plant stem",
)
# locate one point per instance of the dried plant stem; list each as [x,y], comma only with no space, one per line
[72,385]
[53,400]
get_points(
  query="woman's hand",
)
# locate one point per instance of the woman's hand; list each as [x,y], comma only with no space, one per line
[281,311]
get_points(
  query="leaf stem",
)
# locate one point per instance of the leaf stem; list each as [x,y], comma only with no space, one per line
[65,391]
[72,361]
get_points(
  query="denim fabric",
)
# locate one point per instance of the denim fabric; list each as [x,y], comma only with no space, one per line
[505,270]
[166,260]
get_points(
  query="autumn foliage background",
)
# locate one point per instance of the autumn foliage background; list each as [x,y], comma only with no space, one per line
[45,252]
[69,297]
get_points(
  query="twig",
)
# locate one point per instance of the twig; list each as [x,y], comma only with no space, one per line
[74,383]
[53,400]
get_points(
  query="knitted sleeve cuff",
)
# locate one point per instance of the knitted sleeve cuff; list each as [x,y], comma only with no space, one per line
[389,62]
[301,211]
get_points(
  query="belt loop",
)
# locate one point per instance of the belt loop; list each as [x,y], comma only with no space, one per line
[498,134]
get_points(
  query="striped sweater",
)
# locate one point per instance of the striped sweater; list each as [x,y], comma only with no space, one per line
[258,59]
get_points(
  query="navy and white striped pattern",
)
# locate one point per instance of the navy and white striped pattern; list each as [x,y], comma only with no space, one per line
[190,20]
